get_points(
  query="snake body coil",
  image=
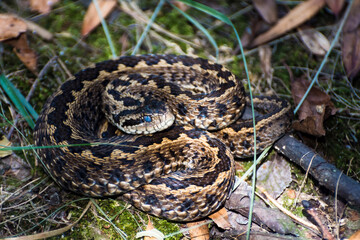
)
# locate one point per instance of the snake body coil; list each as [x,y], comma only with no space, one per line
[179,118]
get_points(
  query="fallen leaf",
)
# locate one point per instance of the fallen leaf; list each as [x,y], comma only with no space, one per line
[24,52]
[267,10]
[198,230]
[315,41]
[294,18]
[265,59]
[221,219]
[351,41]
[314,110]
[11,27]
[355,236]
[335,5]
[150,233]
[13,165]
[42,6]
[275,220]
[92,19]
[274,176]
[4,142]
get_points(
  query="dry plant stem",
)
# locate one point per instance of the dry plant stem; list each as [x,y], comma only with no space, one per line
[133,10]
[169,44]
[54,232]
[287,212]
[39,77]
[63,66]
[304,181]
[18,190]
[42,32]
[325,173]
[29,200]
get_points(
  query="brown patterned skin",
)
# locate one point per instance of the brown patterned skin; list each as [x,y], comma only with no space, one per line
[183,173]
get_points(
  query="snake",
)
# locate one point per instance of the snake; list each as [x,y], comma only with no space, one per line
[160,131]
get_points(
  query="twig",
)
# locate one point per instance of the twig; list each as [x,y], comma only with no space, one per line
[325,173]
[290,214]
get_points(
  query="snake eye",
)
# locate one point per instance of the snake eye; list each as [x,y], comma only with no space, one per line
[147,118]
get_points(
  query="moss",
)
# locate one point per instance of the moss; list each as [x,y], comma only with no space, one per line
[130,221]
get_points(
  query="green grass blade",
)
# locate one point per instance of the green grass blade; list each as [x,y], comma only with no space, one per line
[25,109]
[148,26]
[106,30]
[201,28]
[208,10]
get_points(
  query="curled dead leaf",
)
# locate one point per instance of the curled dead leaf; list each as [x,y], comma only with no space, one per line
[11,27]
[24,52]
[315,41]
[314,110]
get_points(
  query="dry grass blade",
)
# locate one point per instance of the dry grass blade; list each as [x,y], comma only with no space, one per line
[134,11]
[54,232]
[287,212]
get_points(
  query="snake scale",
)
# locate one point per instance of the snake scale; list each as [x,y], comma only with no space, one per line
[178,131]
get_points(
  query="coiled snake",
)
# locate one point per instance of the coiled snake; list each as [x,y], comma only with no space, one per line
[180,130]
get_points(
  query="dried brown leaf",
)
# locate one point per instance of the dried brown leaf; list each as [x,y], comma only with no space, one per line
[24,52]
[274,176]
[198,230]
[314,110]
[221,219]
[4,142]
[351,41]
[315,41]
[92,19]
[335,5]
[42,6]
[294,18]
[267,10]
[265,59]
[11,27]
[355,236]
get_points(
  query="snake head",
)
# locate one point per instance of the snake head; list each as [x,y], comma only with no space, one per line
[137,112]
